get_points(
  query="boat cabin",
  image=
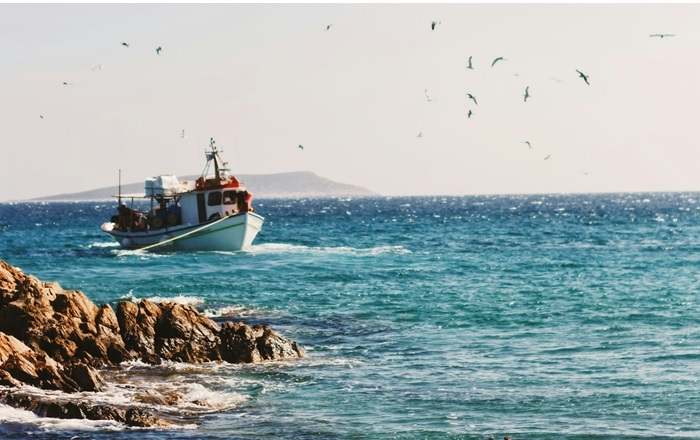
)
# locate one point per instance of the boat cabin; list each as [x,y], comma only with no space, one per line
[174,203]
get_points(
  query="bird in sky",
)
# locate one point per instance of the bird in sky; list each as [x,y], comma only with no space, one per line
[493,63]
[661,35]
[470,96]
[469,114]
[469,63]
[158,49]
[584,76]
[547,157]
[66,83]
[527,94]
[301,147]
[125,44]
[529,145]
[41,116]
[434,24]
[328,27]
[96,67]
[420,134]
[427,96]
[182,133]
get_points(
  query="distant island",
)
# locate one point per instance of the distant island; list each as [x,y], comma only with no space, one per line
[278,185]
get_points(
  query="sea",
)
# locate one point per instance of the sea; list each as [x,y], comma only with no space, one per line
[534,316]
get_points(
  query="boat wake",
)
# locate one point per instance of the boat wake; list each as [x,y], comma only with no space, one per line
[103,244]
[281,248]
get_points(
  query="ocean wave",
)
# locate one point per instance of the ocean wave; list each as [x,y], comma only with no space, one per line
[178,299]
[10,415]
[143,255]
[232,310]
[275,248]
[103,244]
[198,396]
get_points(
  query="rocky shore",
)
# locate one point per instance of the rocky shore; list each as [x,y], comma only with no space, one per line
[56,339]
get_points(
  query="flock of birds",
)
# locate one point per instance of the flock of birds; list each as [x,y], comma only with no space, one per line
[526,95]
[98,67]
[470,66]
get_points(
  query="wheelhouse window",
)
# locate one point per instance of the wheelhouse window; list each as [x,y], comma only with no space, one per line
[214,198]
[229,197]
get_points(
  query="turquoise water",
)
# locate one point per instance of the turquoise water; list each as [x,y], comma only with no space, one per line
[542,317]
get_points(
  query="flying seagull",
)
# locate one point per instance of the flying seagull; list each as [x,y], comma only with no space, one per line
[41,116]
[469,63]
[420,134]
[301,147]
[66,83]
[527,94]
[469,113]
[158,49]
[125,44]
[182,133]
[493,63]
[427,97]
[529,145]
[328,27]
[661,35]
[584,76]
[547,157]
[434,24]
[470,96]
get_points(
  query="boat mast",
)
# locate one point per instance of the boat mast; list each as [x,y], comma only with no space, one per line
[119,197]
[215,157]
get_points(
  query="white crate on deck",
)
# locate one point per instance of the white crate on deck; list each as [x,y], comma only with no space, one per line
[165,185]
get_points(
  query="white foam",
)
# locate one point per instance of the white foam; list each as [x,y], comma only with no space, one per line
[178,299]
[235,309]
[143,255]
[9,414]
[103,244]
[273,248]
[199,396]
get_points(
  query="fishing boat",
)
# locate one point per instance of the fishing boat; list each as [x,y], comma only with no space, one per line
[212,213]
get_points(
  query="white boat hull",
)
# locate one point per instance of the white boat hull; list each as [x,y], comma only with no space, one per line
[233,233]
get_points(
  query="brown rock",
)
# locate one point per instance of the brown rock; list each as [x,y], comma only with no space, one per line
[137,323]
[10,345]
[45,407]
[7,380]
[239,343]
[40,371]
[53,339]
[66,325]
[185,335]
[272,346]
[87,378]
[243,343]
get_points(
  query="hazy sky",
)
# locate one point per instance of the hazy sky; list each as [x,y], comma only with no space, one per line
[263,79]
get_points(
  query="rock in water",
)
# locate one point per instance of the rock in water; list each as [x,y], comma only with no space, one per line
[66,325]
[177,332]
[243,343]
[53,338]
[46,407]
[167,331]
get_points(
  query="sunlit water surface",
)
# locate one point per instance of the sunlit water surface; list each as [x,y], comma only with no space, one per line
[543,317]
